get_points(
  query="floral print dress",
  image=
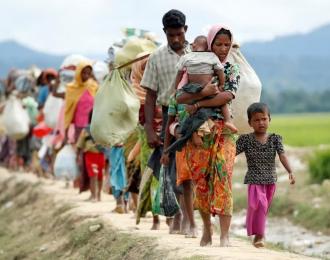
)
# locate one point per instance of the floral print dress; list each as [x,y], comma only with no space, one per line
[211,166]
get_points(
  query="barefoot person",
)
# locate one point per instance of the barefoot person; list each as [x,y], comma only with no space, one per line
[260,148]
[158,79]
[211,165]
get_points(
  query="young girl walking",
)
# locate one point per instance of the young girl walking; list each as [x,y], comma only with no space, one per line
[94,160]
[260,149]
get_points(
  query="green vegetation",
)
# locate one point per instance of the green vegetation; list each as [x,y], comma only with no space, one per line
[295,100]
[33,227]
[319,166]
[302,129]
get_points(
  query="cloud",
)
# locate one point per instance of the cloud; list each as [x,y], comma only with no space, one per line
[65,26]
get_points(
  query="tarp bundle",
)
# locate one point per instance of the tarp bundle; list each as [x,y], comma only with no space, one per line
[249,90]
[115,112]
[116,106]
[132,48]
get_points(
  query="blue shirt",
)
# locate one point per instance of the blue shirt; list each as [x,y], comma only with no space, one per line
[43,94]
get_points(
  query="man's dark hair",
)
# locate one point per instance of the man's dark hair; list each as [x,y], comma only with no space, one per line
[257,107]
[174,19]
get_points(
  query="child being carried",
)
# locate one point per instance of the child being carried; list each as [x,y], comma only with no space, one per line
[201,66]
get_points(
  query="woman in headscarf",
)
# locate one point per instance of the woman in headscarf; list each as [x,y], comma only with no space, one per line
[211,166]
[79,101]
[79,98]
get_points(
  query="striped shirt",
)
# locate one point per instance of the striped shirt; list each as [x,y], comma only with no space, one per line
[161,71]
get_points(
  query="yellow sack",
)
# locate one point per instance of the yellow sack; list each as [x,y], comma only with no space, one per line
[115,112]
[132,48]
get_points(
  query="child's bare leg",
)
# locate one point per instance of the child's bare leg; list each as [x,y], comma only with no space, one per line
[92,186]
[99,188]
[227,119]
[197,140]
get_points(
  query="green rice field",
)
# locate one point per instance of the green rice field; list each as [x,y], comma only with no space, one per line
[302,129]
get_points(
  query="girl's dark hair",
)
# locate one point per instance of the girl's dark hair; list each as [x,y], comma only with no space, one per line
[258,107]
[174,19]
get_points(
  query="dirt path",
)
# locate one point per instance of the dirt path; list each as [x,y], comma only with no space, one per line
[178,246]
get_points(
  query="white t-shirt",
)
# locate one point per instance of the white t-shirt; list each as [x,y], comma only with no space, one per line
[200,63]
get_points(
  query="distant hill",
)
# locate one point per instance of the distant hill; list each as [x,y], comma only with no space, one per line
[295,62]
[314,43]
[299,61]
[16,55]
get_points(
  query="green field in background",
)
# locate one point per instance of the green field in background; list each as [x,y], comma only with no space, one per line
[302,129]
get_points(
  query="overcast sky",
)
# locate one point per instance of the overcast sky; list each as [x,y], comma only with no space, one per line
[91,26]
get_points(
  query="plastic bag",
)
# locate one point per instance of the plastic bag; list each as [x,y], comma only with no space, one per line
[169,205]
[65,166]
[100,69]
[249,90]
[15,119]
[31,107]
[52,110]
[41,130]
[115,112]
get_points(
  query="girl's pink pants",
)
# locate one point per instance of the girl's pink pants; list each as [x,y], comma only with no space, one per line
[259,199]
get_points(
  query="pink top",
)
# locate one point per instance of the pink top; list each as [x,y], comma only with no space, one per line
[84,106]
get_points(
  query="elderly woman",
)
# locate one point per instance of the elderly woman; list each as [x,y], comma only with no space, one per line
[211,166]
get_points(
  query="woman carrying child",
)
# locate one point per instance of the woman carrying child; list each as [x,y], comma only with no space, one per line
[211,165]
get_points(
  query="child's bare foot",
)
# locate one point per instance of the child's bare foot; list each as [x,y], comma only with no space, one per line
[206,237]
[197,140]
[258,241]
[231,127]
